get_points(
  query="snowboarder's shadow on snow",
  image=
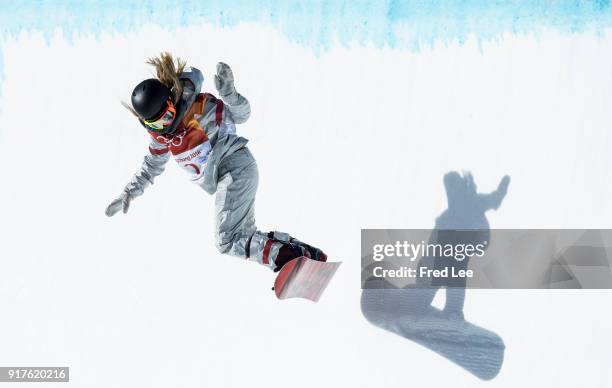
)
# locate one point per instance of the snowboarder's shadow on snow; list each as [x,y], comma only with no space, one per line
[408,311]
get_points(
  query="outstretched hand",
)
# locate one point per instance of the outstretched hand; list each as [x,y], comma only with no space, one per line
[503,185]
[121,203]
[224,79]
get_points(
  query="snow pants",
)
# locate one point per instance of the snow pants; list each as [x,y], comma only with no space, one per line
[236,233]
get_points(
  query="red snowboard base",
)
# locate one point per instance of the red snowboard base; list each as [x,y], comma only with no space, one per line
[304,278]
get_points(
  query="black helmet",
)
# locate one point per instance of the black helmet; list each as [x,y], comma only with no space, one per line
[149,98]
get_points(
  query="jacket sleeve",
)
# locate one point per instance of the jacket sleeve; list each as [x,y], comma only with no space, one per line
[238,109]
[153,165]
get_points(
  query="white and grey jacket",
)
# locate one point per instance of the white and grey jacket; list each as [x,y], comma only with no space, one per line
[205,134]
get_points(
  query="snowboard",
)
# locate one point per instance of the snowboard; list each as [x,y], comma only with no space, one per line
[304,278]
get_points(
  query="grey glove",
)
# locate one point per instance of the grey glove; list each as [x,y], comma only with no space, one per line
[224,80]
[121,203]
[239,108]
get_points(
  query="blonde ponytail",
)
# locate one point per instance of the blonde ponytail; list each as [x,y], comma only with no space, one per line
[168,72]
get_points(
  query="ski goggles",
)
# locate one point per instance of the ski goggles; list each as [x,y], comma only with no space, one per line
[164,120]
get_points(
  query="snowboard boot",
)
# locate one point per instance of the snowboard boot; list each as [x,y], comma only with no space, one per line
[293,248]
[275,249]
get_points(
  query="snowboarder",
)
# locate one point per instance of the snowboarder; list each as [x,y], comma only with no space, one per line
[199,131]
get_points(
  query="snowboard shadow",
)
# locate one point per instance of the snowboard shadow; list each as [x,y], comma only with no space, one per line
[408,312]
[475,349]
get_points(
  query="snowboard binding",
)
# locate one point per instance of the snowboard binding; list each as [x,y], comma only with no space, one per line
[292,248]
